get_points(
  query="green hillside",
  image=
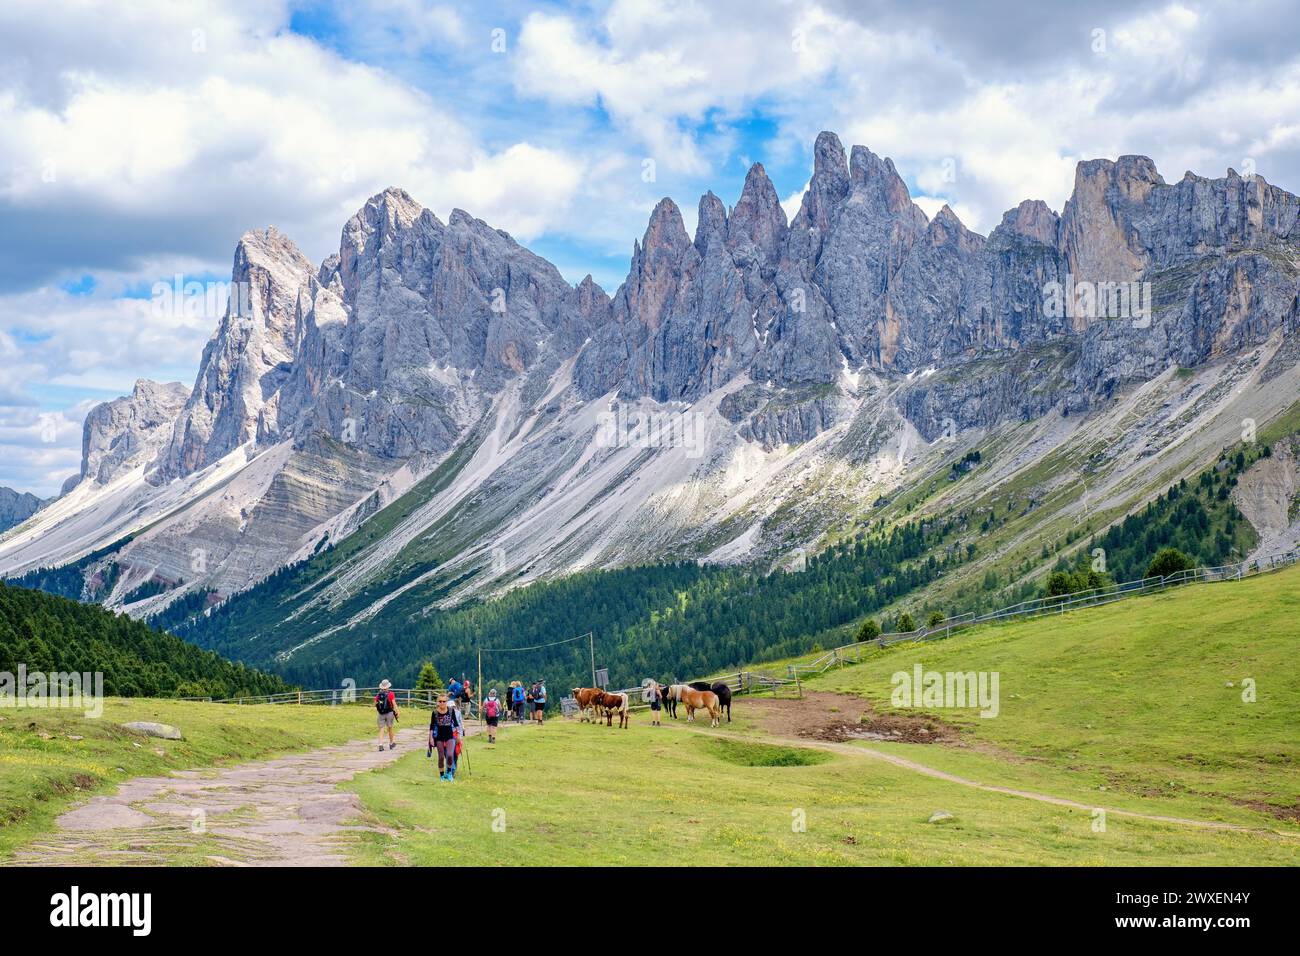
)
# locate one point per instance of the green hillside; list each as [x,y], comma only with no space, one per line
[1141,700]
[46,633]
[1123,711]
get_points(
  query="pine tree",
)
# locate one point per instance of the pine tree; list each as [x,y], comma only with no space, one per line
[429,678]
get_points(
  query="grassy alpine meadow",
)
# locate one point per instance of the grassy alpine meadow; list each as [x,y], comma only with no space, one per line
[574,794]
[51,759]
[1183,703]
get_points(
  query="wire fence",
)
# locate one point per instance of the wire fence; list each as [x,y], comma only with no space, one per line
[414,698]
[1038,607]
[742,682]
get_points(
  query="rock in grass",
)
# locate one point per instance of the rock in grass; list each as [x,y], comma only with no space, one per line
[150,729]
[939,816]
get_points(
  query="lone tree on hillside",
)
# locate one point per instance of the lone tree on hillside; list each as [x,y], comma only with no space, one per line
[905,623]
[429,678]
[936,618]
[1168,561]
[869,630]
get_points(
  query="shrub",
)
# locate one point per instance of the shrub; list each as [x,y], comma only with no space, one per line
[869,630]
[1168,561]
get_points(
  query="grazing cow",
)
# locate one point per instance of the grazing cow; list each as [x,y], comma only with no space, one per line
[695,700]
[614,704]
[722,689]
[586,698]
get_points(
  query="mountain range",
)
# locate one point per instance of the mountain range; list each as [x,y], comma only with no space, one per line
[434,417]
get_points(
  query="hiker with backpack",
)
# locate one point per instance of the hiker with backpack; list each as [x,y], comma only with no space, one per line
[455,689]
[386,707]
[445,729]
[517,700]
[492,711]
[539,700]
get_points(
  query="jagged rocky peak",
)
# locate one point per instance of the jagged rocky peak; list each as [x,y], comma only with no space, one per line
[711,225]
[757,227]
[828,187]
[16,507]
[271,267]
[1032,219]
[946,228]
[592,299]
[877,177]
[1098,237]
[665,235]
[390,231]
[248,358]
[130,431]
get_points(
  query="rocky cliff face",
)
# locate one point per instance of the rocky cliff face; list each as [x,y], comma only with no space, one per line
[16,507]
[859,330]
[1150,274]
[128,432]
[417,326]
[235,399]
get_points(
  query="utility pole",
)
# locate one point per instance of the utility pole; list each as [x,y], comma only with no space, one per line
[592,640]
[481,719]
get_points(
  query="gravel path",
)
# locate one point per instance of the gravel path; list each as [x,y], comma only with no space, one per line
[286,811]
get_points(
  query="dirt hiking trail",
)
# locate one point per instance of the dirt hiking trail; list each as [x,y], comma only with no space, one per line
[286,811]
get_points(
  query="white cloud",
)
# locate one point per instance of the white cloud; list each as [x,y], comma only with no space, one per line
[792,202]
[254,125]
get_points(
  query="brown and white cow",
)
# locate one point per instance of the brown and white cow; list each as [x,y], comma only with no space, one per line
[613,704]
[586,698]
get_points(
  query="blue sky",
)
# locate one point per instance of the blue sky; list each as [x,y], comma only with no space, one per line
[140,141]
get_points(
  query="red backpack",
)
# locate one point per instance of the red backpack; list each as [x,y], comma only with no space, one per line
[490,707]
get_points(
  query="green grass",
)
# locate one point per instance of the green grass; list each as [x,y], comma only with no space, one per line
[44,769]
[1130,703]
[573,794]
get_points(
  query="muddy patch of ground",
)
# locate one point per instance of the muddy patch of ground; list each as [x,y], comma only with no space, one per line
[825,715]
[1290,814]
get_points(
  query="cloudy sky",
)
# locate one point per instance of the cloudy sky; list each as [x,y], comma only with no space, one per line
[138,140]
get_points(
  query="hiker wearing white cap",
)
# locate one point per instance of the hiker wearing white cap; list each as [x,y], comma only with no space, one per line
[386,707]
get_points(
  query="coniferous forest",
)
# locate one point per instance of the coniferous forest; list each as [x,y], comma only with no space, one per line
[51,634]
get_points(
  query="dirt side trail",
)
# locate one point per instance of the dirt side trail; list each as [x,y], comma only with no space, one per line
[826,720]
[287,811]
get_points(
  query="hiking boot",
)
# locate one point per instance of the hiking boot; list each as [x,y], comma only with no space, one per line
[390,747]
[381,748]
